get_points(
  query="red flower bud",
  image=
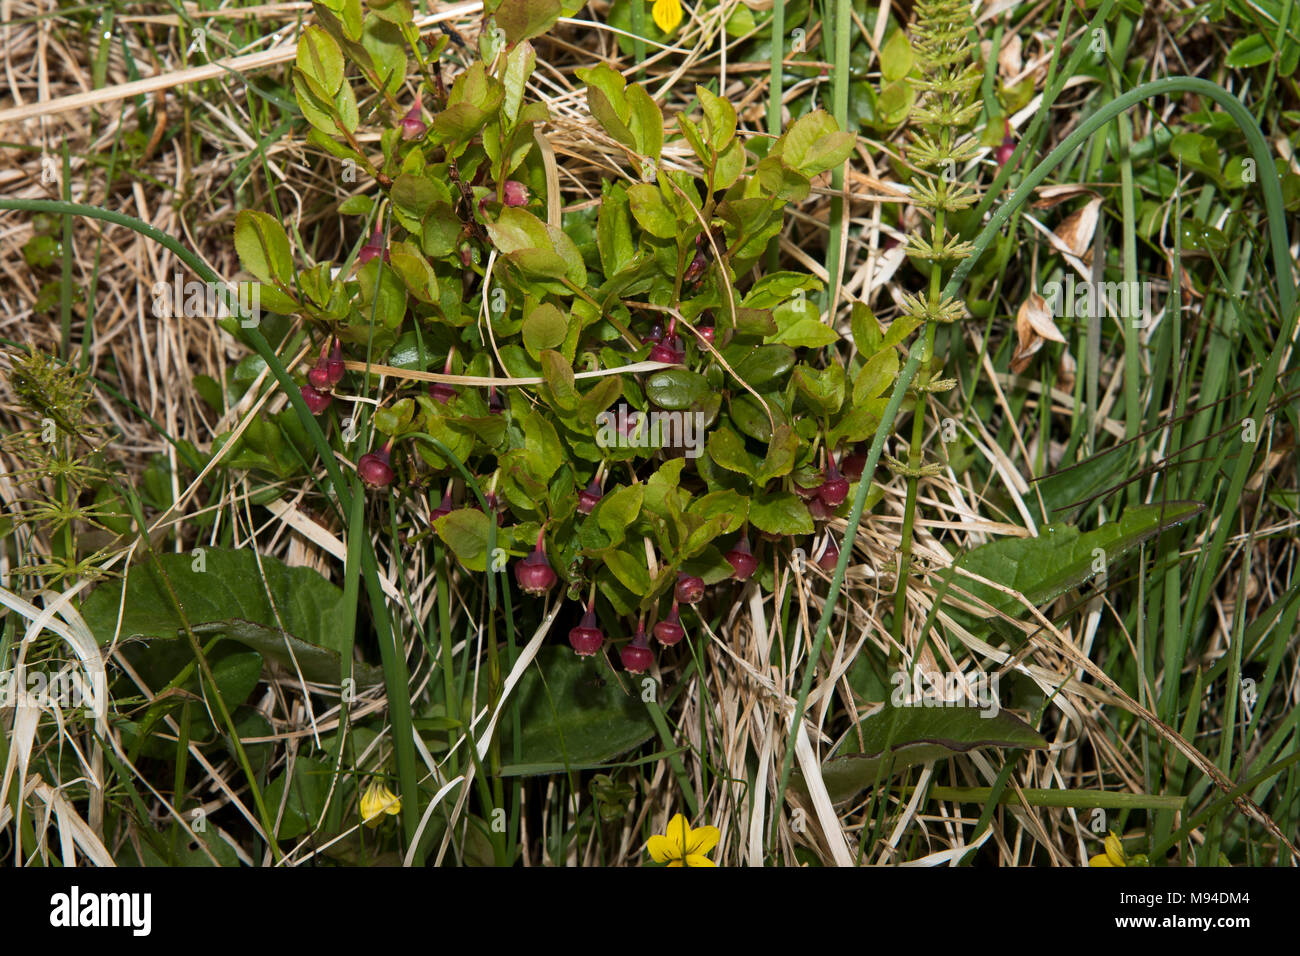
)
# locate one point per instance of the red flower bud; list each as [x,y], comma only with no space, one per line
[742,560]
[444,508]
[670,351]
[372,248]
[689,588]
[375,468]
[586,639]
[670,630]
[830,555]
[316,399]
[534,573]
[514,193]
[441,392]
[637,656]
[852,465]
[807,494]
[413,126]
[589,497]
[318,378]
[820,510]
[696,269]
[835,488]
[334,364]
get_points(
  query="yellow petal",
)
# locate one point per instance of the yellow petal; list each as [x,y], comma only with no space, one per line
[1101,859]
[703,839]
[1115,849]
[679,831]
[376,801]
[667,14]
[694,859]
[676,863]
[662,849]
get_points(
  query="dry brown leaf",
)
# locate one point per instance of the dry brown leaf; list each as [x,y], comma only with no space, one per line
[1049,196]
[1010,62]
[1035,312]
[1034,326]
[1077,230]
[1065,372]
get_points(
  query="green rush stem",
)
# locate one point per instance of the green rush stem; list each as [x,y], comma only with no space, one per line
[1271,189]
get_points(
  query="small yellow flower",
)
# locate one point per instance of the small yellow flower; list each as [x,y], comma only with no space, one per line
[1114,855]
[377,801]
[683,846]
[667,14]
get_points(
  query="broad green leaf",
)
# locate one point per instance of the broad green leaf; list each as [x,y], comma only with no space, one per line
[542,444]
[415,193]
[676,388]
[631,571]
[572,717]
[795,147]
[780,512]
[305,802]
[618,509]
[896,56]
[1061,557]
[822,389]
[387,49]
[545,327]
[247,597]
[519,66]
[263,246]
[806,333]
[415,272]
[646,122]
[559,378]
[1251,50]
[866,330]
[525,19]
[465,531]
[780,458]
[1197,151]
[827,153]
[776,288]
[765,365]
[600,396]
[614,231]
[651,212]
[731,163]
[320,58]
[727,449]
[719,119]
[876,377]
[694,138]
[316,664]
[383,294]
[915,735]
